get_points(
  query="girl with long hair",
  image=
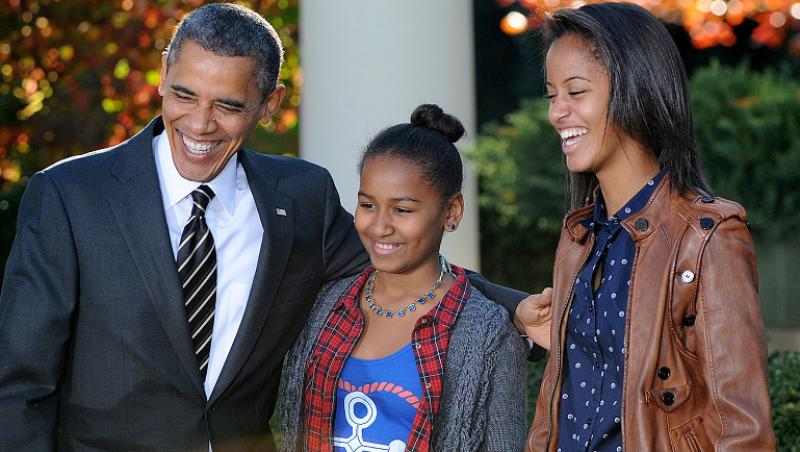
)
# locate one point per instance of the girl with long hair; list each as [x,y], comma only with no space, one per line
[657,337]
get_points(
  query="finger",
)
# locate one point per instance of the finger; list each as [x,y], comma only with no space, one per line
[546,295]
[541,300]
[532,315]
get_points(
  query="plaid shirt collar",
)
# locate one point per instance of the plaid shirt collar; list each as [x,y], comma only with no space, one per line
[338,337]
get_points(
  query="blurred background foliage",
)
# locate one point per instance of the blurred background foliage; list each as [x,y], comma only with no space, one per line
[79,75]
[509,51]
[748,134]
[708,23]
[784,385]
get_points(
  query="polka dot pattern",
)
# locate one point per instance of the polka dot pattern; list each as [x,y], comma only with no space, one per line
[589,403]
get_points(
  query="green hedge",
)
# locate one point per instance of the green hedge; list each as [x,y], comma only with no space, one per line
[522,199]
[784,384]
[748,133]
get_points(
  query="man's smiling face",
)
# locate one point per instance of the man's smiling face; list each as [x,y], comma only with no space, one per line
[210,106]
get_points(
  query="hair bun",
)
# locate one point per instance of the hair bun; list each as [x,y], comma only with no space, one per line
[432,117]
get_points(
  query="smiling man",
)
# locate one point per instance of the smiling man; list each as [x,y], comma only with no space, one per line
[154,288]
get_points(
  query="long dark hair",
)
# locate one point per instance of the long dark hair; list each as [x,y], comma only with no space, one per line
[648,92]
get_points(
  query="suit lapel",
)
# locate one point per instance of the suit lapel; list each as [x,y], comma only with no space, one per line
[276,245]
[138,208]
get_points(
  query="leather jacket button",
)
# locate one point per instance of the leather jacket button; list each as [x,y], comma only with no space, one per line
[668,398]
[707,199]
[688,320]
[687,276]
[663,373]
[641,224]
[706,223]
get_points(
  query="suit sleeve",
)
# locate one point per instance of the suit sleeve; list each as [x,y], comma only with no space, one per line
[36,309]
[508,298]
[344,255]
[507,392]
[732,348]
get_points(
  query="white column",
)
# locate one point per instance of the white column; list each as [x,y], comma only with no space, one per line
[366,65]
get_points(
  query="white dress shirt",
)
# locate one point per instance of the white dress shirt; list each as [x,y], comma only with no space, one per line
[236,227]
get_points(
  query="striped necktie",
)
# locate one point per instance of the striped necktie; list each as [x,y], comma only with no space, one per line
[197,268]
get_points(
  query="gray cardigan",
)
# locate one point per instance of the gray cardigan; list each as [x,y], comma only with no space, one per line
[484,392]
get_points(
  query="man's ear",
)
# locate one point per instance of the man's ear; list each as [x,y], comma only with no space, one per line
[272,103]
[163,73]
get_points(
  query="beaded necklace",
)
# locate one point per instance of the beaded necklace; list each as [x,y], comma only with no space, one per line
[369,296]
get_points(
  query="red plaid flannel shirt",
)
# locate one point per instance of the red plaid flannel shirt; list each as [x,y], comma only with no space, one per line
[338,337]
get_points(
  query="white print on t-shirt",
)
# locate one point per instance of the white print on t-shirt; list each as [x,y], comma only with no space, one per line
[355,442]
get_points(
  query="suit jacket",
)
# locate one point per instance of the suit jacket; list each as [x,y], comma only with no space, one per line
[95,351]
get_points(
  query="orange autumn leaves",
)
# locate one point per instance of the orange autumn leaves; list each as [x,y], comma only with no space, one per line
[709,22]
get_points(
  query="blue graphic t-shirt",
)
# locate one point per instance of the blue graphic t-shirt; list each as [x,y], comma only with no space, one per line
[376,402]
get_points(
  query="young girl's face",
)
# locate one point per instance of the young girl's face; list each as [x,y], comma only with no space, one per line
[400,216]
[578,91]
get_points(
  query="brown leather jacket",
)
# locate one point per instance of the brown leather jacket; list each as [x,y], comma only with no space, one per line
[695,365]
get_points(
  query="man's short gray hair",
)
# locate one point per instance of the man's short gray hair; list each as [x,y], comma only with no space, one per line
[227,29]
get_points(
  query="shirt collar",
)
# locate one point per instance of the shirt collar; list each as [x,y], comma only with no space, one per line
[599,216]
[349,301]
[175,187]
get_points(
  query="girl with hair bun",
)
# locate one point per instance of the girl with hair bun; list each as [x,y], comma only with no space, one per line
[657,336]
[407,355]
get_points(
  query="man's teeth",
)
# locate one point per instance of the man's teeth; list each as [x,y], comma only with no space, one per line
[385,246]
[572,132]
[199,148]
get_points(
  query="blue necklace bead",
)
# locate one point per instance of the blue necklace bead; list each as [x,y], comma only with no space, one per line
[369,296]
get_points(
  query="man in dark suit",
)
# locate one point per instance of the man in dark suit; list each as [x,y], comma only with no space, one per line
[154,287]
[114,337]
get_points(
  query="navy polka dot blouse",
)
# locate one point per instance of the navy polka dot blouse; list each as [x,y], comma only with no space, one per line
[591,392]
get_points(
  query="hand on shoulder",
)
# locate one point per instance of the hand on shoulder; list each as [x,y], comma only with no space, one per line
[533,316]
